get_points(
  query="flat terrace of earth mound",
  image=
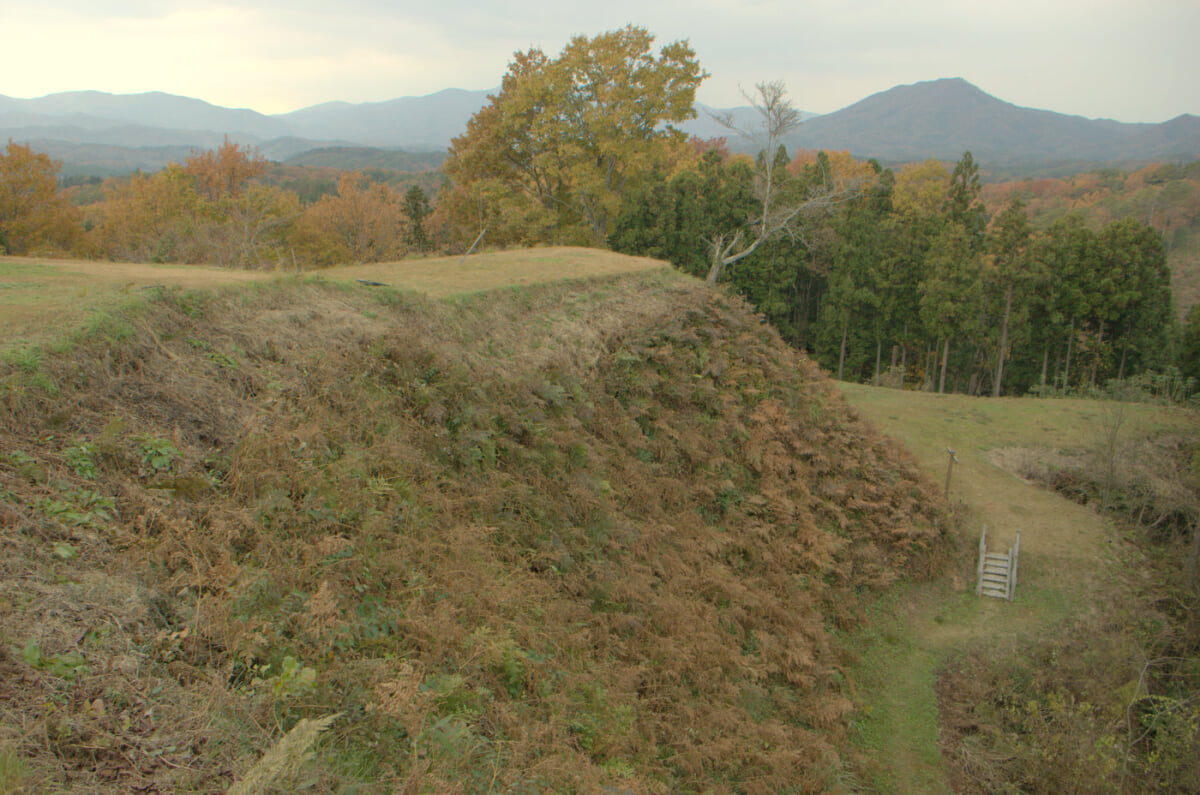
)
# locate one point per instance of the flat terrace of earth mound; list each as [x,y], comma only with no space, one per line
[41,298]
[575,536]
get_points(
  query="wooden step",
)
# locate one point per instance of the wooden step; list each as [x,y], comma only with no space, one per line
[997,572]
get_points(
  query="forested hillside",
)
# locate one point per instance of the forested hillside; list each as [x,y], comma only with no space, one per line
[910,279]
[1165,197]
[919,275]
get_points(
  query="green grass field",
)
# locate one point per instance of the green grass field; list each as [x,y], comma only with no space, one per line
[1065,549]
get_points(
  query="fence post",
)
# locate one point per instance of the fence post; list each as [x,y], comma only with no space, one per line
[982,555]
[472,248]
[1012,572]
[949,469]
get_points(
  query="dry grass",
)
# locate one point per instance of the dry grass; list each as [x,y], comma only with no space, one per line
[446,276]
[41,299]
[569,537]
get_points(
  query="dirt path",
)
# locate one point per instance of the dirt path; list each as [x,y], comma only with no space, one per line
[1064,550]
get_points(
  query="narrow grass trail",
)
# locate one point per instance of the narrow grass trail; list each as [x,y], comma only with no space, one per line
[1064,555]
[41,299]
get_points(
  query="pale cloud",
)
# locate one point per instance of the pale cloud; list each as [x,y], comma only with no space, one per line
[1127,59]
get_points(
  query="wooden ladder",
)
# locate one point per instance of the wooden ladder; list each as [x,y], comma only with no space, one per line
[997,572]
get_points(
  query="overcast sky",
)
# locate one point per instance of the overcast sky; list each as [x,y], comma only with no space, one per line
[1130,60]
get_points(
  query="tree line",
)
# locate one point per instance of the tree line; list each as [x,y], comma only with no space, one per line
[893,276]
[910,281]
[215,208]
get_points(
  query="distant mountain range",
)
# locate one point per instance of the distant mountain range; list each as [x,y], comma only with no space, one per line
[99,133]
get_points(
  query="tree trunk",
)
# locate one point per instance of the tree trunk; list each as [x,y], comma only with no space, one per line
[718,264]
[1045,362]
[1067,368]
[842,351]
[1008,296]
[878,358]
[1193,563]
[1096,358]
[945,359]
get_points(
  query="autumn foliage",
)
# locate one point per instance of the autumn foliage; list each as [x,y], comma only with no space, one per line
[217,208]
[902,275]
[552,155]
[34,216]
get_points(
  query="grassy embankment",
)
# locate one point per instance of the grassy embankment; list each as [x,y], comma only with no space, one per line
[554,538]
[912,632]
[1067,551]
[43,299]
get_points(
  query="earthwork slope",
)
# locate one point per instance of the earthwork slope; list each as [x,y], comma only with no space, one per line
[558,538]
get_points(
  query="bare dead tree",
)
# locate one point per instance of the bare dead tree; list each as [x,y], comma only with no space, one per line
[779,215]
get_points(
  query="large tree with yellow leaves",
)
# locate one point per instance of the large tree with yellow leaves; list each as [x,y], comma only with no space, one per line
[550,157]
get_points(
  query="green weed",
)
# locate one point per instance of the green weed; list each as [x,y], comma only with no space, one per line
[69,666]
[81,458]
[293,678]
[27,360]
[219,358]
[78,508]
[155,454]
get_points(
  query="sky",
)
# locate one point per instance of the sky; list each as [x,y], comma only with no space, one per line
[1129,60]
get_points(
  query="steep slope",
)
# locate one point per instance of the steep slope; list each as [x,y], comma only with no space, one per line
[548,539]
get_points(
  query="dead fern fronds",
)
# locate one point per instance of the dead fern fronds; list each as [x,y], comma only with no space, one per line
[285,758]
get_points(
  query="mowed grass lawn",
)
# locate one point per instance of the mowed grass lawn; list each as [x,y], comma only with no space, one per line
[1065,553]
[44,298]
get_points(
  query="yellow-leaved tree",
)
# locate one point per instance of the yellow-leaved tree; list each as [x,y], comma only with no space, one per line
[364,222]
[211,209]
[149,218]
[550,157]
[33,214]
[921,188]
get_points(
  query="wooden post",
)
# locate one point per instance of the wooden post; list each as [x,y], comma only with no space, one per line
[1012,572]
[949,469]
[982,555]
[473,245]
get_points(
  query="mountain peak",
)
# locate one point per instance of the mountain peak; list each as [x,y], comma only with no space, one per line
[943,118]
[945,90]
